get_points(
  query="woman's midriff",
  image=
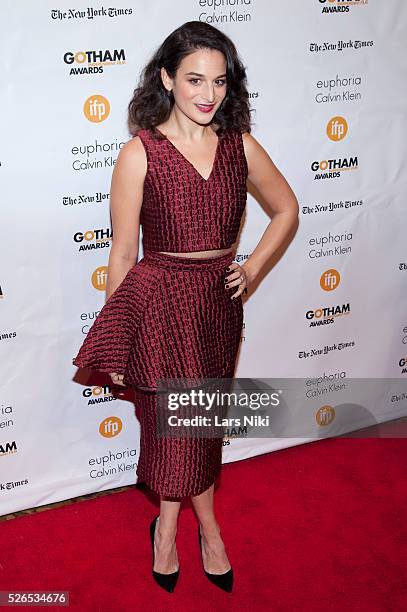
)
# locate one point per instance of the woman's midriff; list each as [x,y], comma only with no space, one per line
[212,253]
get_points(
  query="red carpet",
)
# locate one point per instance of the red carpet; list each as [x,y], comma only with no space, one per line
[321,526]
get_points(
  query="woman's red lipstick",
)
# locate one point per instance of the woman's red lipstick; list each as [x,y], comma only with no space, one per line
[205,108]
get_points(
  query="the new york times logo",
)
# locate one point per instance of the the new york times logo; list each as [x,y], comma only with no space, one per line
[89,13]
[14,484]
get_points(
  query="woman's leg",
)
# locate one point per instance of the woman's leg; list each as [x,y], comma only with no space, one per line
[214,555]
[166,558]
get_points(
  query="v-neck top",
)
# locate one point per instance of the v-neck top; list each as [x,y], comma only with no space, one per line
[181,210]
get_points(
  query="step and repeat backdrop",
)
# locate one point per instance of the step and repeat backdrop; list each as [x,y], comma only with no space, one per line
[328,84]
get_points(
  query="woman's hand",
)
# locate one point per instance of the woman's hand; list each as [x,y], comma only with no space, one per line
[236,277]
[117,379]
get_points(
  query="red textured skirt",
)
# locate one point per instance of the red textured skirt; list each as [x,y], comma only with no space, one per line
[171,317]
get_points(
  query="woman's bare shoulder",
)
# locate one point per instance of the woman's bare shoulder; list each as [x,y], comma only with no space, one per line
[133,147]
[249,139]
[132,156]
[252,146]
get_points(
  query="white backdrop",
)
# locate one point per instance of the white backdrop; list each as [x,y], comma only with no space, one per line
[328,85]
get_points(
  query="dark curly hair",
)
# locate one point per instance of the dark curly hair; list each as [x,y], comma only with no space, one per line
[151,105]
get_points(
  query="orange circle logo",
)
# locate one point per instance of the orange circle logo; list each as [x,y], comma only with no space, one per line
[96,108]
[330,279]
[325,415]
[99,278]
[110,427]
[337,128]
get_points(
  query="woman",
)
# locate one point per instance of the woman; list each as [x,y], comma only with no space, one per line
[182,177]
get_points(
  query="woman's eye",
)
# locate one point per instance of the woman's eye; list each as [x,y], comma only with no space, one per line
[220,82]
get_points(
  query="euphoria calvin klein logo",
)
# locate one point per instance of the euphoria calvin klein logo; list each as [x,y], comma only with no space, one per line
[110,427]
[337,128]
[96,108]
[99,278]
[330,279]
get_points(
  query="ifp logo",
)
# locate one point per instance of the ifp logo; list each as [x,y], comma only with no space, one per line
[99,278]
[110,427]
[337,128]
[325,415]
[96,108]
[330,279]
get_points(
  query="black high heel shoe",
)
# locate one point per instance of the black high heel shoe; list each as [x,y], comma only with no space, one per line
[223,581]
[166,581]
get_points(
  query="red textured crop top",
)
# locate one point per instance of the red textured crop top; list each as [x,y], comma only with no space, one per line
[182,211]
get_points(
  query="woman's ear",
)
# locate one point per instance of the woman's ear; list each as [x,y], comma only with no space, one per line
[167,82]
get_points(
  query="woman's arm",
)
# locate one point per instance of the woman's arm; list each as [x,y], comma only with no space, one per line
[126,197]
[280,201]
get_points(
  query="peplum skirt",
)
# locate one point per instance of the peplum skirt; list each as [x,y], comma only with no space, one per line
[170,318]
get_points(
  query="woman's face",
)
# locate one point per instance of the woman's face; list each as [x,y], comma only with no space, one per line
[200,84]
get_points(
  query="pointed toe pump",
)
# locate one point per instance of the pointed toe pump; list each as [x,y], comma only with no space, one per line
[223,581]
[166,581]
